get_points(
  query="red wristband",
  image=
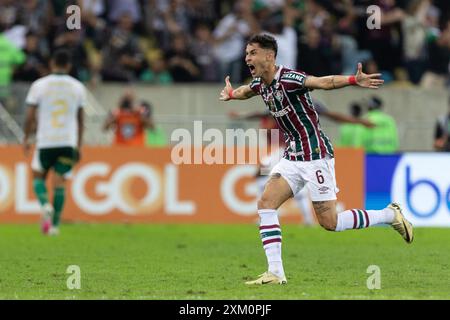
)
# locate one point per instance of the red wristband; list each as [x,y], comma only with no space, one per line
[352,80]
[230,93]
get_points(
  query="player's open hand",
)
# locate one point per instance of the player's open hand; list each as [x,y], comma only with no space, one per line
[371,81]
[225,93]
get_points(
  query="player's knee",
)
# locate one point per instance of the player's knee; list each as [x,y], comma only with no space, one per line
[59,180]
[39,175]
[266,203]
[328,223]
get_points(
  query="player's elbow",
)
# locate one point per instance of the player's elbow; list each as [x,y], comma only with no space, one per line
[327,84]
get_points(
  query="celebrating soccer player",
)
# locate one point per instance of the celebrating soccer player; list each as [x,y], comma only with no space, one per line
[309,158]
[56,103]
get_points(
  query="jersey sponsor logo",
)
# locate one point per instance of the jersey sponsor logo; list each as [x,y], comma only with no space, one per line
[293,76]
[296,154]
[280,113]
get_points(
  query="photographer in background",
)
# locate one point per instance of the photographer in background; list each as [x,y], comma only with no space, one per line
[127,122]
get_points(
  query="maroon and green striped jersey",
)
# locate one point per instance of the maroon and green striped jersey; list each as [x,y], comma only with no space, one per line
[290,103]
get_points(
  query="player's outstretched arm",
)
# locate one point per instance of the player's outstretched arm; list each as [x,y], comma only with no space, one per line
[361,79]
[241,93]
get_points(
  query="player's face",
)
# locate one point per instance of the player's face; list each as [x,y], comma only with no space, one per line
[258,59]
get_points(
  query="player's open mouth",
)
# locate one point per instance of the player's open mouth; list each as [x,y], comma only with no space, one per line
[252,68]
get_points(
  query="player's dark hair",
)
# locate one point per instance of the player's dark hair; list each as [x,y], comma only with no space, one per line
[126,103]
[355,110]
[265,41]
[375,103]
[61,58]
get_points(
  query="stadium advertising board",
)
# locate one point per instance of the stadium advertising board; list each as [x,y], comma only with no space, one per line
[419,181]
[114,184]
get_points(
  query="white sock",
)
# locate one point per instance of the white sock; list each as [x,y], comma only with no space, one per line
[358,219]
[270,231]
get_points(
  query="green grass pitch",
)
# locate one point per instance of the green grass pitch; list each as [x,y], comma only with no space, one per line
[213,261]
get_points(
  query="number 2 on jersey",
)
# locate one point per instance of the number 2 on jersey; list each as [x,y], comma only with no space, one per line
[61,109]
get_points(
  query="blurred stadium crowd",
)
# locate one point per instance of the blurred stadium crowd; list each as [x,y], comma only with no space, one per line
[166,41]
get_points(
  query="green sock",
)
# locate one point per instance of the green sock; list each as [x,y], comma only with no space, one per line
[58,204]
[40,190]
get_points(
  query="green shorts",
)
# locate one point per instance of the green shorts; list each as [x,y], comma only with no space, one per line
[60,159]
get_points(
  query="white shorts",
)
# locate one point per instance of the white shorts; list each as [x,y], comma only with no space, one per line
[317,175]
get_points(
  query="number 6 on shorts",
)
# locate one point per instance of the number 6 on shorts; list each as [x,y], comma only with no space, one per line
[319,177]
